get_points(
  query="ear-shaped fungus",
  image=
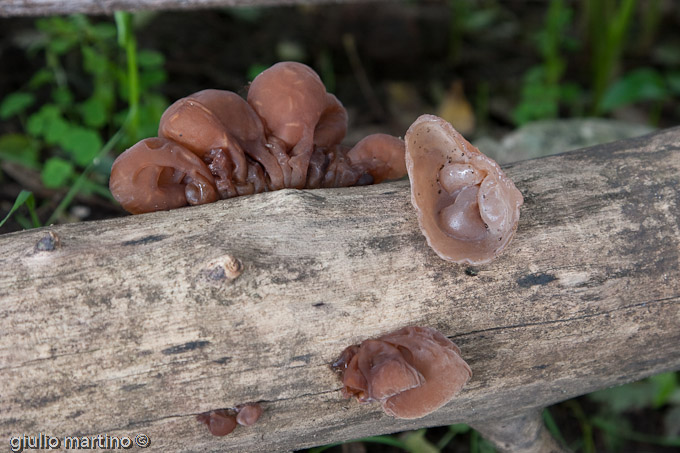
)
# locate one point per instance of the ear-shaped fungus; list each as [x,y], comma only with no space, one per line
[158,174]
[412,372]
[467,208]
[222,129]
[291,100]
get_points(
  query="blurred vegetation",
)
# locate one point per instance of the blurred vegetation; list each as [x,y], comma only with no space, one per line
[96,93]
[90,86]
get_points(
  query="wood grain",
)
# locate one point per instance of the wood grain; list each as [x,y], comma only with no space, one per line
[130,325]
[55,7]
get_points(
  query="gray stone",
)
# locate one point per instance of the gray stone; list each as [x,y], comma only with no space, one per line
[546,137]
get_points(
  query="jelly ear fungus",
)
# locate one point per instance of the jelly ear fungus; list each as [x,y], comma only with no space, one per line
[412,372]
[467,208]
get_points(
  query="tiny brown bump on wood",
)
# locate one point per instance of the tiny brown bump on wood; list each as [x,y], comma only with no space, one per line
[48,242]
[599,233]
[225,267]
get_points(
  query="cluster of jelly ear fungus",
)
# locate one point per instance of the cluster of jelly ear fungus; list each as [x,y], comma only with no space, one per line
[215,145]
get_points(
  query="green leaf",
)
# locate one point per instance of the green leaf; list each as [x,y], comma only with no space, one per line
[62,44]
[56,172]
[103,31]
[21,149]
[22,198]
[37,122]
[16,103]
[640,85]
[255,70]
[664,385]
[56,130]
[673,80]
[150,112]
[93,112]
[63,97]
[459,428]
[152,78]
[94,62]
[416,442]
[83,144]
[40,78]
[150,59]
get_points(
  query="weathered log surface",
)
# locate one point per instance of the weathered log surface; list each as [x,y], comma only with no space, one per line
[52,7]
[124,329]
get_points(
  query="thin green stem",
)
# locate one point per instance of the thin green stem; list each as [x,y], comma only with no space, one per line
[126,39]
[552,427]
[586,427]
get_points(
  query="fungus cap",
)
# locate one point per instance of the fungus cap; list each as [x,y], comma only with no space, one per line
[467,208]
[158,174]
[412,372]
[219,422]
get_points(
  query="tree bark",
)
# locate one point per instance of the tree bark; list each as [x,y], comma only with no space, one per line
[136,324]
[10,8]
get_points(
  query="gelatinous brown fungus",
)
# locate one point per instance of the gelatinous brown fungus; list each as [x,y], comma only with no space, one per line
[221,422]
[411,372]
[467,208]
[287,134]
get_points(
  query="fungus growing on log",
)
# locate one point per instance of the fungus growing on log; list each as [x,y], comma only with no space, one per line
[291,99]
[467,208]
[412,372]
[248,414]
[221,422]
[286,135]
[379,156]
[158,174]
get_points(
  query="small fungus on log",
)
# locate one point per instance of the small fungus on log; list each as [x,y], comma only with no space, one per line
[248,414]
[287,134]
[221,422]
[467,208]
[411,372]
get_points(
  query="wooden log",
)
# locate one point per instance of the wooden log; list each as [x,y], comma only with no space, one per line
[54,7]
[132,325]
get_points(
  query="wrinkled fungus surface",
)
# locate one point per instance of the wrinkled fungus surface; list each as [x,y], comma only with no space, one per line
[467,208]
[412,372]
[286,134]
